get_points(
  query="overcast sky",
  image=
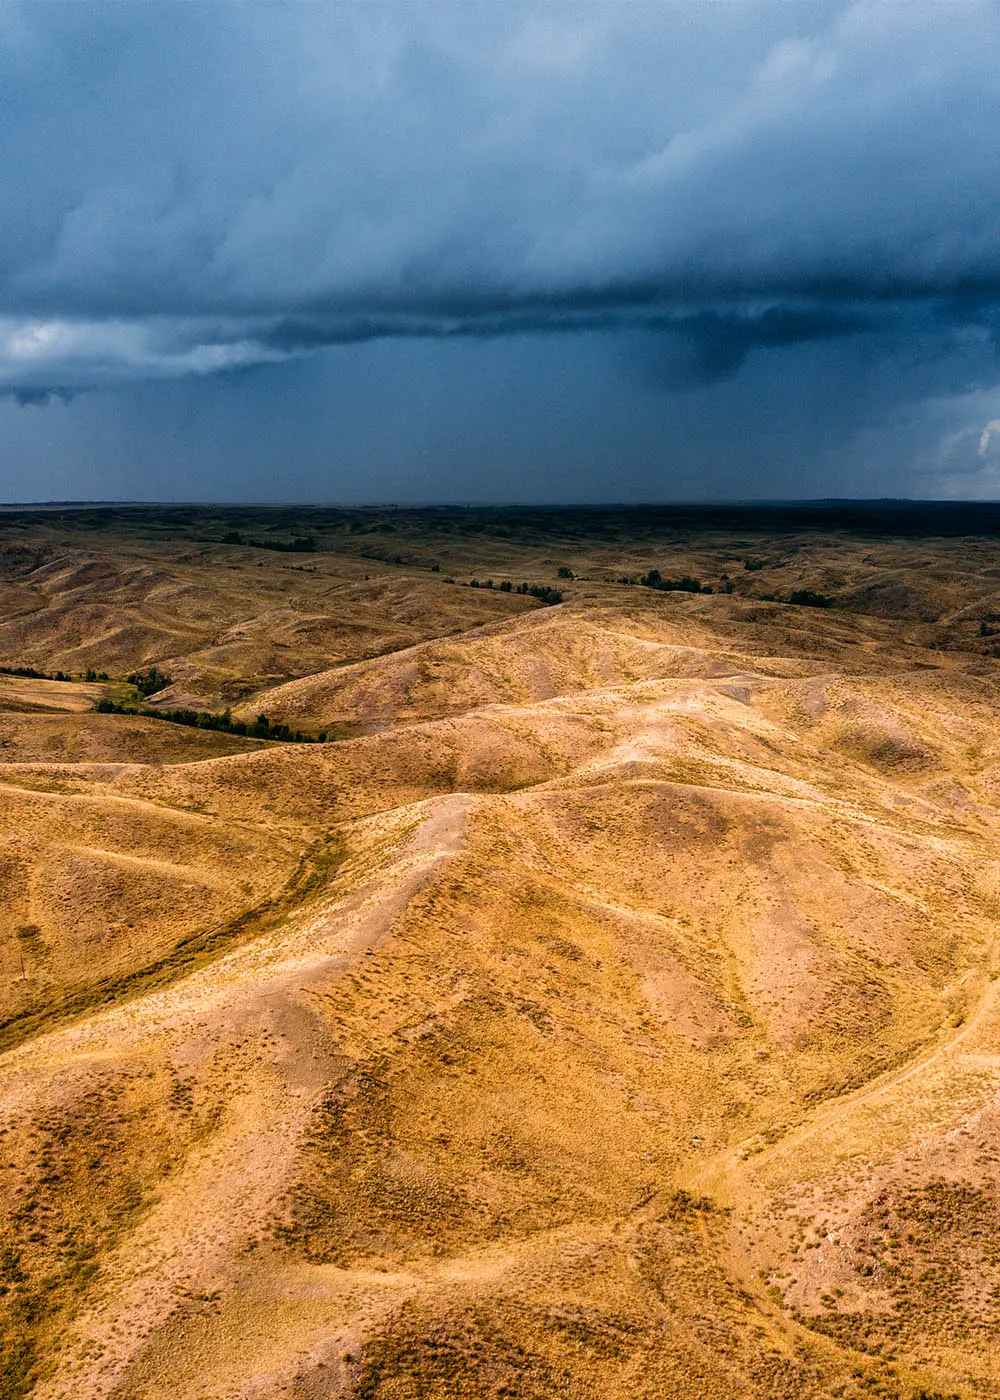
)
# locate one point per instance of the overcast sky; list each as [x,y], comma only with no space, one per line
[404,250]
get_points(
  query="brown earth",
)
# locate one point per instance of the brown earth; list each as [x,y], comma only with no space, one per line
[613,1011]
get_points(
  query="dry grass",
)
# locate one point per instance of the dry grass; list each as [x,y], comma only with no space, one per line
[614,1014]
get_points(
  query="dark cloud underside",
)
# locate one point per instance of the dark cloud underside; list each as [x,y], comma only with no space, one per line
[712,194]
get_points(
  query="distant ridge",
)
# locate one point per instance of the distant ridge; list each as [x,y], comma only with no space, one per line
[881,516]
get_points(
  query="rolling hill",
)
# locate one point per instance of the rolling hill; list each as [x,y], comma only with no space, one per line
[610,1010]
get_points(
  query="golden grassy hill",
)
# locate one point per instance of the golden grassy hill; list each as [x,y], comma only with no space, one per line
[612,1012]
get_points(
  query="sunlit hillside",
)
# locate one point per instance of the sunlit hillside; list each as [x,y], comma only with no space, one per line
[596,996]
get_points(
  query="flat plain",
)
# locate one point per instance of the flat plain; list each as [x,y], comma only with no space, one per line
[607,1006]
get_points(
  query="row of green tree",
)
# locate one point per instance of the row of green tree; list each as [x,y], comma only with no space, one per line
[547,595]
[33,674]
[801,597]
[260,728]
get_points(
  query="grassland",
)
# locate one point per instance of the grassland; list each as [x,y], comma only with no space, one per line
[611,1010]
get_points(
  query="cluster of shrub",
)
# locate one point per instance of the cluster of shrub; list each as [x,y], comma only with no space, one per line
[654,579]
[686,584]
[806,598]
[260,728]
[388,556]
[801,597]
[149,682]
[302,544]
[32,674]
[551,596]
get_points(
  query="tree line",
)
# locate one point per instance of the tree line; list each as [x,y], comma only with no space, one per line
[260,728]
[32,674]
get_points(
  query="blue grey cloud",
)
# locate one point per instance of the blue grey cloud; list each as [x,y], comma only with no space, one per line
[192,189]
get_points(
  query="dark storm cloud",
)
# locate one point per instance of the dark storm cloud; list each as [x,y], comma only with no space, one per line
[38,398]
[715,344]
[192,189]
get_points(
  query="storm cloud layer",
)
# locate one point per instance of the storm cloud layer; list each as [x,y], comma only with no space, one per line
[193,190]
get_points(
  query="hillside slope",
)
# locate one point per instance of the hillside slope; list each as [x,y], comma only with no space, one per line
[615,1014]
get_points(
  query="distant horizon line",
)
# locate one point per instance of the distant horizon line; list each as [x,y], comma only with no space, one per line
[80,503]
